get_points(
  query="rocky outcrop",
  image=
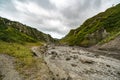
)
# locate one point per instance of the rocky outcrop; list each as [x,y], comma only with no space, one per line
[113,45]
[94,38]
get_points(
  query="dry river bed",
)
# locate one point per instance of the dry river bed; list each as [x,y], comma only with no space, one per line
[68,63]
[64,63]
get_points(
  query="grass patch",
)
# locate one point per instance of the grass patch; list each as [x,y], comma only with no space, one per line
[22,53]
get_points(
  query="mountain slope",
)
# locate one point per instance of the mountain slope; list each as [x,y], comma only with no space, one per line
[12,31]
[16,41]
[101,28]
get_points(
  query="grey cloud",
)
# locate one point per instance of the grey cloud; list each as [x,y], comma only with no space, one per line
[7,5]
[78,12]
[80,8]
[70,17]
[97,3]
[54,30]
[44,3]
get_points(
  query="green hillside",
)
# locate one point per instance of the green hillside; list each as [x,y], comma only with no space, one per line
[99,29]
[11,31]
[16,40]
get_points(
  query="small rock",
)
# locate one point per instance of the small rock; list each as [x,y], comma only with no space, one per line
[73,48]
[118,73]
[54,53]
[69,78]
[88,61]
[75,57]
[67,59]
[53,57]
[108,65]
[73,65]
[34,54]
[53,47]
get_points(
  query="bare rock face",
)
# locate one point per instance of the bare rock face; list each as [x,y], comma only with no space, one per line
[113,45]
[96,37]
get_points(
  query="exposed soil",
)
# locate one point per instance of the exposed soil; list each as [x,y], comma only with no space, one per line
[7,69]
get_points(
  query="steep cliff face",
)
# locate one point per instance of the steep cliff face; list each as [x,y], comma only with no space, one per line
[12,31]
[99,29]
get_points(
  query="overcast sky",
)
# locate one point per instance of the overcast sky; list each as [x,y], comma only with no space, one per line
[55,17]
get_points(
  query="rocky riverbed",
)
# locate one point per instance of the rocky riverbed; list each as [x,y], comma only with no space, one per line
[64,63]
[74,63]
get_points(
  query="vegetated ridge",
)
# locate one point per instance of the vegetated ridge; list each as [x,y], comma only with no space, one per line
[99,29]
[11,31]
[16,41]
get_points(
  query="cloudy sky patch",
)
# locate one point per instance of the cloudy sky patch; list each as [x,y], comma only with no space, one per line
[55,17]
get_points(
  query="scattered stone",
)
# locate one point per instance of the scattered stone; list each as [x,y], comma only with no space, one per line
[75,57]
[46,46]
[53,47]
[96,55]
[34,54]
[73,48]
[108,65]
[67,59]
[73,65]
[88,61]
[53,78]
[53,57]
[54,53]
[57,75]
[69,78]
[118,73]
[1,76]
[87,53]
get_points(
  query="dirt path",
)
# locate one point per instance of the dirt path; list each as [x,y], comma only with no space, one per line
[7,70]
